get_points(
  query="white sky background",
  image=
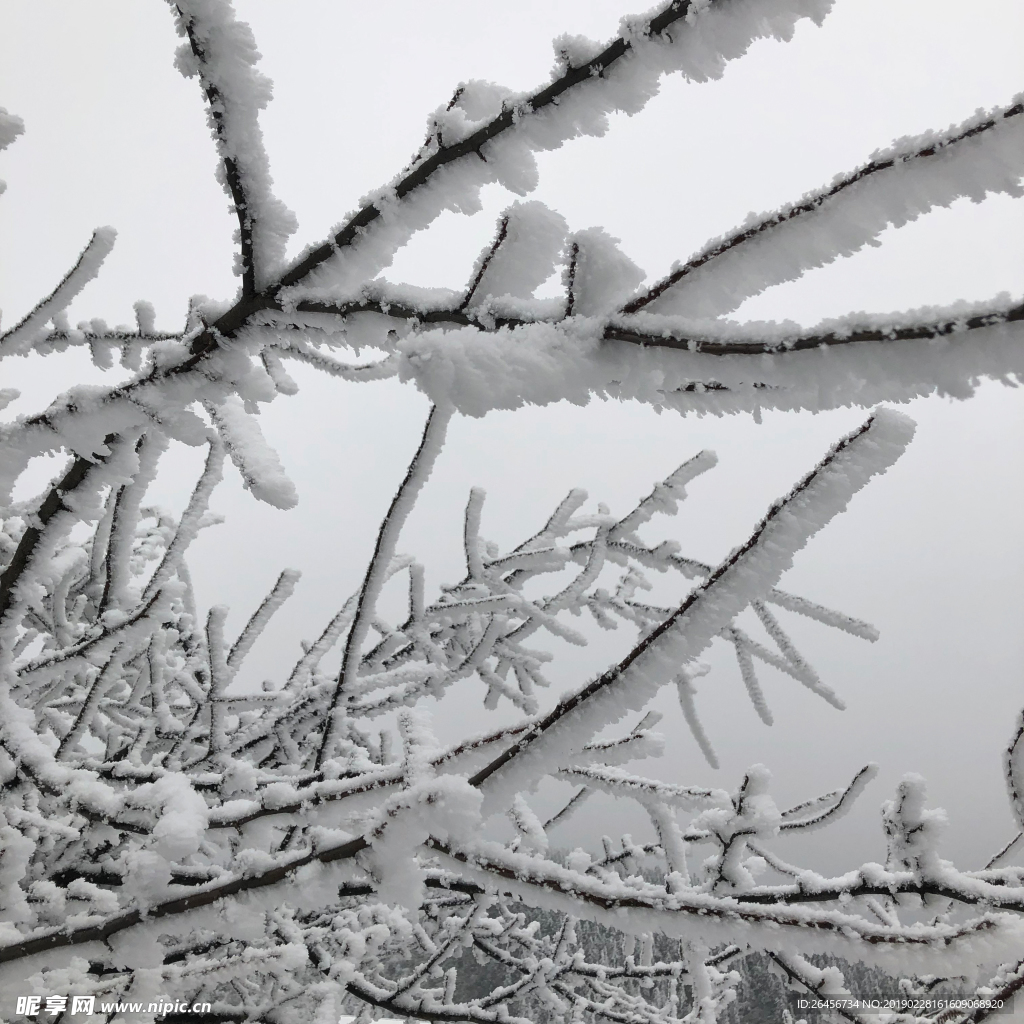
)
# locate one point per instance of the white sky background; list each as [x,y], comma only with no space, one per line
[932,553]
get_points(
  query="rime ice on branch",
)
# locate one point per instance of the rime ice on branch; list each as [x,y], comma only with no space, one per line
[310,849]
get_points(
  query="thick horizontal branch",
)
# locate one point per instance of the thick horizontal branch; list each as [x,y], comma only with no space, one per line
[623,330]
[535,876]
[740,907]
[804,342]
[456,317]
[788,894]
[103,930]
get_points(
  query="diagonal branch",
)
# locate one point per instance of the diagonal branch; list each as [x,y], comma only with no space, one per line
[838,807]
[86,267]
[423,170]
[798,978]
[485,262]
[441,156]
[221,52]
[840,472]
[994,1002]
[279,593]
[53,504]
[232,172]
[376,574]
[811,203]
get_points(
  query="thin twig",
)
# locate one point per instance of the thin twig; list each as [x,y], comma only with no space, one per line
[387,537]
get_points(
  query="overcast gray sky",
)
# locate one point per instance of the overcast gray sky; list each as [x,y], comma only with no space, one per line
[932,553]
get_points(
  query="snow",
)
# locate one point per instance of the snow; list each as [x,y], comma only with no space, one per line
[699,51]
[11,126]
[221,52]
[915,175]
[258,463]
[716,921]
[522,257]
[540,364]
[744,577]
[138,781]
[21,337]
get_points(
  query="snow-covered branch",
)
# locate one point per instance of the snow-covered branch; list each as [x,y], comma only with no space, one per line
[747,574]
[221,52]
[186,765]
[24,334]
[776,339]
[902,182]
[310,849]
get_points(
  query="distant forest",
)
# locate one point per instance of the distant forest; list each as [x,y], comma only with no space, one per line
[763,995]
